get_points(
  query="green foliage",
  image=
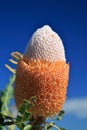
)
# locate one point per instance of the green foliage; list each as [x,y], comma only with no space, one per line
[5,98]
[22,120]
[27,127]
[60,115]
[7,95]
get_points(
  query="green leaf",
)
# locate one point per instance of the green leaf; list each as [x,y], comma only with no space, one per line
[26,116]
[21,125]
[25,105]
[49,127]
[27,127]
[1,94]
[62,129]
[18,119]
[60,115]
[1,119]
[7,95]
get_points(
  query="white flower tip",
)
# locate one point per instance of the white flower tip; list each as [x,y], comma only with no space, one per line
[45,44]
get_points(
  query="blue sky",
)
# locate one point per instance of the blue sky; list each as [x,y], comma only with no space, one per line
[18,21]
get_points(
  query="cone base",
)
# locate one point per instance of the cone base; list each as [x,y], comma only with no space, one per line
[46,81]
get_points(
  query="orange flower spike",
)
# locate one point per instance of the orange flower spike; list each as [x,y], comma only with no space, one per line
[43,73]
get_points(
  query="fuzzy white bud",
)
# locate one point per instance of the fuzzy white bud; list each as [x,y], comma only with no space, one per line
[45,44]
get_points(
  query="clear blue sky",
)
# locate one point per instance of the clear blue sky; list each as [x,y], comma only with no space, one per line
[20,18]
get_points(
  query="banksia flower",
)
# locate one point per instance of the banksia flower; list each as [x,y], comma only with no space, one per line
[43,73]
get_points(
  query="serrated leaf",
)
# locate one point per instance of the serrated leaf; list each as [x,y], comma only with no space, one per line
[28,127]
[26,116]
[1,118]
[7,95]
[19,118]
[21,125]
[1,94]
[25,105]
[49,127]
[60,115]
[62,129]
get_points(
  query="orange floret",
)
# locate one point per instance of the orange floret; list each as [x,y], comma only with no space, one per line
[47,81]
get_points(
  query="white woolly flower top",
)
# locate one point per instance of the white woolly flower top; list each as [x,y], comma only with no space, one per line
[45,44]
